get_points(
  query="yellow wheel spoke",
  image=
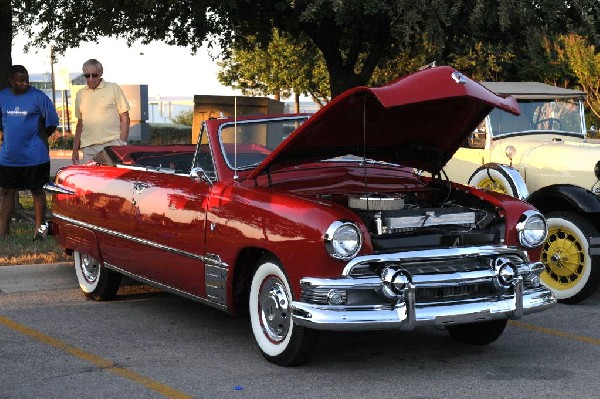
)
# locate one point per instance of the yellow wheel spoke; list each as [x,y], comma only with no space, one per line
[567,247]
[571,266]
[492,185]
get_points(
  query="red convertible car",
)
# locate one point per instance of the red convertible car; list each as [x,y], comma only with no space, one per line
[315,222]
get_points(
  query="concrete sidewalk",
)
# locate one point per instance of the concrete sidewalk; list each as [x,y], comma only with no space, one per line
[27,278]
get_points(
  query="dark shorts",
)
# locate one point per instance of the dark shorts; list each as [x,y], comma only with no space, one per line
[25,177]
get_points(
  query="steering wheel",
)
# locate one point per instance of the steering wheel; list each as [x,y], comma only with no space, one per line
[550,121]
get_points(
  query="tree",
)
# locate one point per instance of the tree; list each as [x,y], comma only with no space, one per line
[184,118]
[355,37]
[584,61]
[286,66]
[6,34]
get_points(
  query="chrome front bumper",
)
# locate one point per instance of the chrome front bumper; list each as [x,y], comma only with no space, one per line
[406,312]
[406,315]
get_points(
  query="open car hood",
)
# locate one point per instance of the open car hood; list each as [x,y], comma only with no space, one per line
[419,120]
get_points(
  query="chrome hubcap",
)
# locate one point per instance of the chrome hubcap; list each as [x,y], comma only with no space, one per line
[274,309]
[89,268]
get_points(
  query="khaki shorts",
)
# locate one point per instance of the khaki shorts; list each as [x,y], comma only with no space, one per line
[91,150]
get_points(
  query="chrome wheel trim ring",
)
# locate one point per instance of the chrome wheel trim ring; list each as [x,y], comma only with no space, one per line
[274,309]
[90,269]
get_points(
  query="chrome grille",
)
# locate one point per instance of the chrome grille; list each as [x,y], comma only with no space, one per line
[315,295]
[447,266]
[471,291]
[438,266]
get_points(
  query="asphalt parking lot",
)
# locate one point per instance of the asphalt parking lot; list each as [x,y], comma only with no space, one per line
[147,344]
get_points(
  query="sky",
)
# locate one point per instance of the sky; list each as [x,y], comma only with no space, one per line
[168,71]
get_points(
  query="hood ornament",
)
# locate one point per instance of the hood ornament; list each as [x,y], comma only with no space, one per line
[459,77]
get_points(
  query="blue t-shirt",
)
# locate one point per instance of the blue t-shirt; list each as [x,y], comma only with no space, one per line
[25,118]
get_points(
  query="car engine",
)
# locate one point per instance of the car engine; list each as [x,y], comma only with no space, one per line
[411,221]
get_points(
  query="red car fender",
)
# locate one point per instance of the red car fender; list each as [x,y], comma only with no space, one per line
[79,239]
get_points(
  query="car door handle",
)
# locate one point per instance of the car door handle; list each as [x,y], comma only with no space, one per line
[139,186]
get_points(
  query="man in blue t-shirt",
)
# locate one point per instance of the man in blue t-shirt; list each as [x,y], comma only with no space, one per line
[27,118]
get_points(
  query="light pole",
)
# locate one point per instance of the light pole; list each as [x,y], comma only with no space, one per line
[52,61]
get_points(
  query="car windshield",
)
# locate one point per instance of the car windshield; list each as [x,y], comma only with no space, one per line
[245,144]
[562,115]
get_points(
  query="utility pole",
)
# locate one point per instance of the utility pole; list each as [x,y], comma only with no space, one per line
[52,61]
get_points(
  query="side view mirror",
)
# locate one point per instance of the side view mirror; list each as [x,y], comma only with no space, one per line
[199,174]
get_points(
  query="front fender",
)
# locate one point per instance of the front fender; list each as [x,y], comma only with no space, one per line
[565,197]
[512,176]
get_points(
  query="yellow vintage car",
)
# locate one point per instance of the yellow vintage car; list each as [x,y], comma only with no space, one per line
[543,156]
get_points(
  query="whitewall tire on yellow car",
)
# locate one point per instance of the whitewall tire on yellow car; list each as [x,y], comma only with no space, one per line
[499,178]
[570,272]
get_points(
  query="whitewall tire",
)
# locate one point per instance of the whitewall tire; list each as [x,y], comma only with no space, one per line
[96,281]
[570,272]
[280,341]
[494,179]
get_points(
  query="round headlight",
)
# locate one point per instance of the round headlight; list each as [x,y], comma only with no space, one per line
[510,152]
[532,229]
[343,240]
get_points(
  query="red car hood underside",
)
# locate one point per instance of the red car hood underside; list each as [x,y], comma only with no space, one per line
[419,120]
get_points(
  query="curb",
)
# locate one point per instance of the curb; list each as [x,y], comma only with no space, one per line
[63,154]
[27,278]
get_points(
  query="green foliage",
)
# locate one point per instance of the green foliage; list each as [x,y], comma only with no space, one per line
[59,141]
[19,248]
[184,118]
[584,61]
[404,63]
[65,23]
[287,65]
[483,61]
[6,35]
[546,63]
[356,39]
[163,134]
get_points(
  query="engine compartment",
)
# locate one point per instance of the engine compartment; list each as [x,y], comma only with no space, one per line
[433,218]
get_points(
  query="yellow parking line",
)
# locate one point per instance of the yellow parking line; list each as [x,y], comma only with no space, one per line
[98,361]
[557,333]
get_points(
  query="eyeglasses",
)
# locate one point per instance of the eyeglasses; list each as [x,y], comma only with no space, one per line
[93,75]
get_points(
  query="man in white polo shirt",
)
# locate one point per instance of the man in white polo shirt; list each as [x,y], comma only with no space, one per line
[102,113]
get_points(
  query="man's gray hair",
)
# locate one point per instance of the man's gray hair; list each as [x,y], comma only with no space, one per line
[93,63]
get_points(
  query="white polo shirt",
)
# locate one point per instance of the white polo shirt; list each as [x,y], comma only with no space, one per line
[100,109]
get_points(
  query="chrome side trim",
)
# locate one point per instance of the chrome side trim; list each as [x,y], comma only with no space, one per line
[215,278]
[151,169]
[57,189]
[167,288]
[212,260]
